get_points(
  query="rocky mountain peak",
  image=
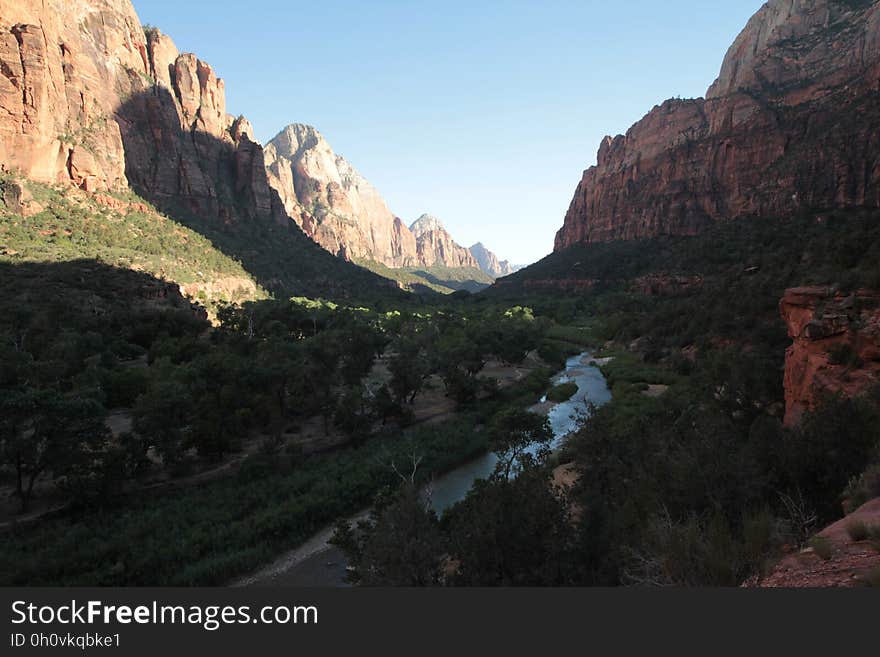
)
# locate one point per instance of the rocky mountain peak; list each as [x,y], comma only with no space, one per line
[296,138]
[489,262]
[426,223]
[798,43]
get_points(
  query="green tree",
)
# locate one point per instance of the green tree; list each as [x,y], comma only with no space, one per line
[400,544]
[45,432]
[162,416]
[520,439]
[409,369]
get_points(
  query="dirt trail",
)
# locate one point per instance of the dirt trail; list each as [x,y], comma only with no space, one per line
[317,544]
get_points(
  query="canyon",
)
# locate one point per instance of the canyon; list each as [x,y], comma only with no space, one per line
[93,100]
[789,126]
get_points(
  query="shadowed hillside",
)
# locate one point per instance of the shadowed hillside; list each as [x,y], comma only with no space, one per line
[207,184]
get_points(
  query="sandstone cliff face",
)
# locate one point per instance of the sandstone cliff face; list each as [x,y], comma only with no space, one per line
[836,346]
[789,125]
[88,98]
[183,149]
[435,245]
[64,65]
[336,206]
[489,262]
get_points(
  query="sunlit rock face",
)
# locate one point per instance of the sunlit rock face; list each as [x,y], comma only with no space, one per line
[789,125]
[65,66]
[835,346]
[339,208]
[88,98]
[435,245]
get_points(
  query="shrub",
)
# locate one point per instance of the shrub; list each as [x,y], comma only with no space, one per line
[822,546]
[857,530]
[845,355]
[123,386]
[563,392]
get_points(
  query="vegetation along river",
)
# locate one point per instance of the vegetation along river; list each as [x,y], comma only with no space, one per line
[317,563]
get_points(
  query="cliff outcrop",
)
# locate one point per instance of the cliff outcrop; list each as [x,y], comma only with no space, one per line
[835,349]
[340,210]
[335,205]
[788,126]
[90,99]
[435,245]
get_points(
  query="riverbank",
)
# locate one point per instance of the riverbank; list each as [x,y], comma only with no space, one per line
[318,563]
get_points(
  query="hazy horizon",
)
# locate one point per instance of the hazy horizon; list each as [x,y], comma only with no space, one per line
[484,117]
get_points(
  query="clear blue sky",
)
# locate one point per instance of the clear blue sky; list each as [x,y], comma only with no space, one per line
[483,113]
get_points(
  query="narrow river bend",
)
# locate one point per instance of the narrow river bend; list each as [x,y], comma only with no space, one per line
[317,563]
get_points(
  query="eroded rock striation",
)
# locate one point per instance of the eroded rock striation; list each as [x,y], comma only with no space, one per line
[790,125]
[835,349]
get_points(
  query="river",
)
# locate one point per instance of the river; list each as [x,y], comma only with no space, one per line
[317,563]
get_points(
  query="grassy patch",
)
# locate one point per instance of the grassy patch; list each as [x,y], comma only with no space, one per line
[73,226]
[563,392]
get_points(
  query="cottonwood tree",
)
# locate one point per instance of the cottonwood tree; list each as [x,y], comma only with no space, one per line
[44,432]
[162,416]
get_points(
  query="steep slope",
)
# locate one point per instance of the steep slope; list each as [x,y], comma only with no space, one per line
[335,205]
[789,126]
[489,263]
[91,100]
[835,558]
[435,245]
[44,224]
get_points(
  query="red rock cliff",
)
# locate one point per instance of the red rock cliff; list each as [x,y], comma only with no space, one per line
[790,124]
[836,345]
[88,98]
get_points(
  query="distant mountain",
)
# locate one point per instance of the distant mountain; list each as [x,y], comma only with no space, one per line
[435,245]
[425,224]
[339,209]
[336,206]
[489,262]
